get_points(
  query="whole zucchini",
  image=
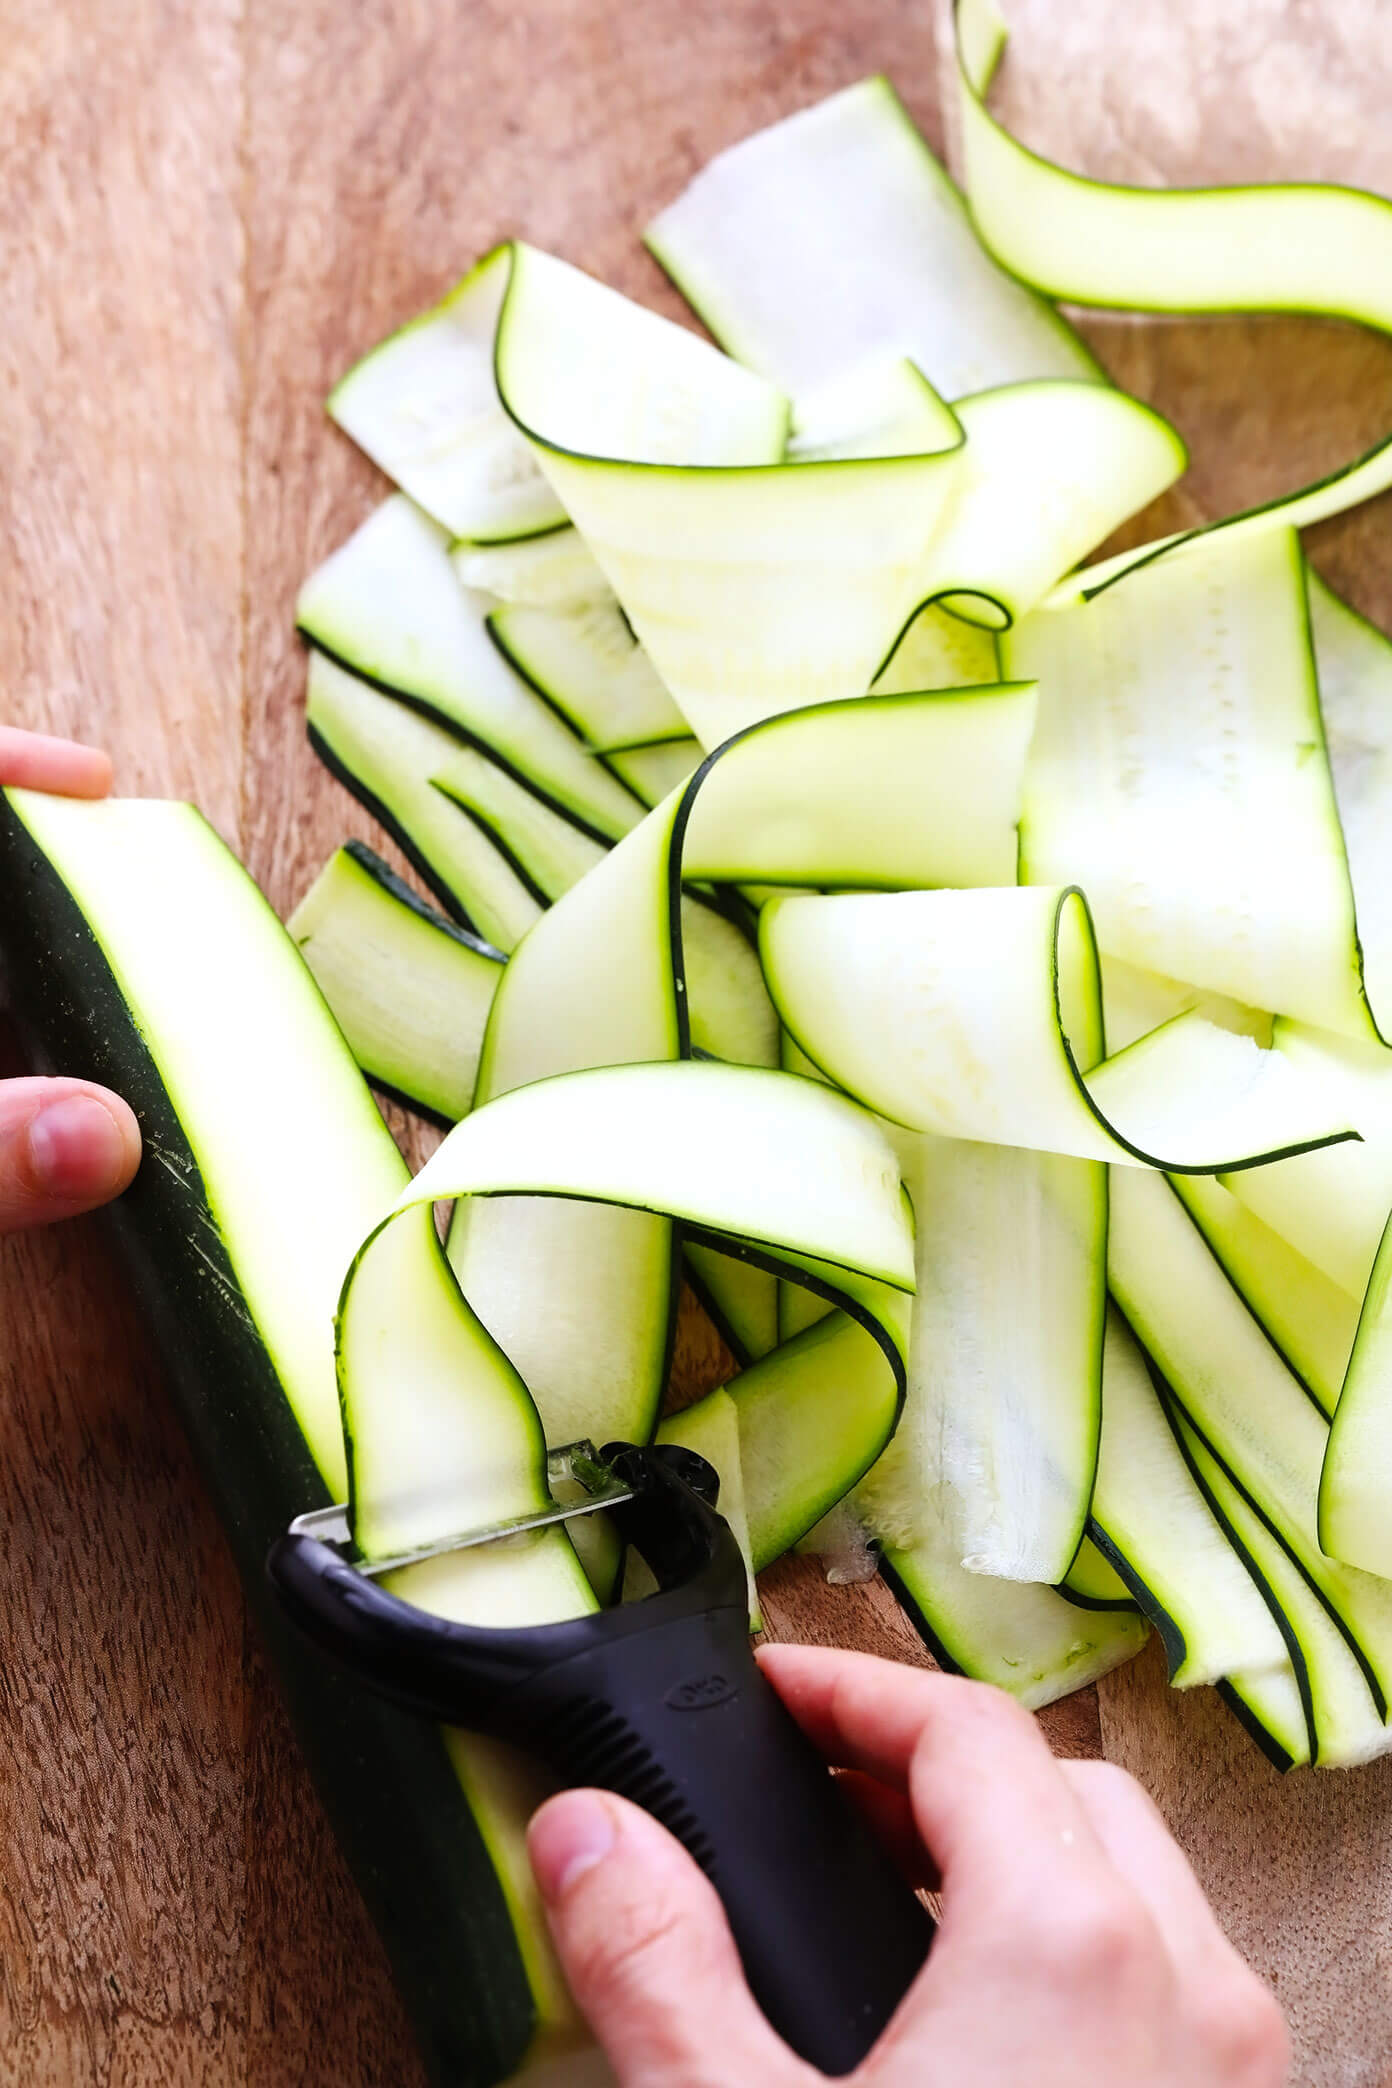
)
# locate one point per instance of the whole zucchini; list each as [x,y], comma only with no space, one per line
[141,954]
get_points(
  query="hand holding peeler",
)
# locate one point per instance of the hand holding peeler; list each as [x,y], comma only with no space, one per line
[662,1701]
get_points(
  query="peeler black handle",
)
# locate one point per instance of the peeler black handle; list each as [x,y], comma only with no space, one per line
[663,1702]
[680,1720]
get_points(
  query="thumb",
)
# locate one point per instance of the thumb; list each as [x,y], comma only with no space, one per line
[65,1146]
[647,1950]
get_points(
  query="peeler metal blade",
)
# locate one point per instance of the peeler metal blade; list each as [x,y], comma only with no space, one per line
[576,1467]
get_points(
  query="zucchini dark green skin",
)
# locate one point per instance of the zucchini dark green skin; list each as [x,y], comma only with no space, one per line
[1096,1602]
[456,731]
[708,1305]
[356,787]
[1167,1628]
[386,1780]
[898,1588]
[1297,1658]
[1146,1600]
[369,860]
[1253,1727]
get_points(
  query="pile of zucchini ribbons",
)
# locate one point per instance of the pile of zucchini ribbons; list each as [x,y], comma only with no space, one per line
[1069,876]
[969,968]
[1068,895]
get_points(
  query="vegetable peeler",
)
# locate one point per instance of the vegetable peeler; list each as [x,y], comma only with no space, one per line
[662,1701]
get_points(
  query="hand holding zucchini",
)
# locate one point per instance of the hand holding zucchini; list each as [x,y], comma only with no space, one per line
[65,1145]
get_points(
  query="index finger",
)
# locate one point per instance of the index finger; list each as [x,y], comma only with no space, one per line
[36,761]
[995,1810]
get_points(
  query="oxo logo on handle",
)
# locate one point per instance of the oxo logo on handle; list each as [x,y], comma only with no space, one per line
[699,1693]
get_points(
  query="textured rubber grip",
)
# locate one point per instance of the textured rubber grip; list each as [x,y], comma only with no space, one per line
[680,1720]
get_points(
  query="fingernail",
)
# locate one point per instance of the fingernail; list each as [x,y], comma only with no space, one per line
[568,1837]
[76,1148]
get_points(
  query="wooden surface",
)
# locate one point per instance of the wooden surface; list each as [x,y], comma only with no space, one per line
[211,209]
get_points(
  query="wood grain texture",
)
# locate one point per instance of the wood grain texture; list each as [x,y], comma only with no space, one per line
[212,211]
[1299,1867]
[123,1708]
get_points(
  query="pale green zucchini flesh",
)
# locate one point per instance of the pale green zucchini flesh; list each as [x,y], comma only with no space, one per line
[747,244]
[651,773]
[412,994]
[1136,687]
[554,571]
[424,406]
[1305,1315]
[1353,1518]
[1237,1393]
[998,1444]
[492,852]
[711,1428]
[1092,1582]
[388,606]
[596,1359]
[1023,1637]
[883,407]
[1151,1521]
[1331,1207]
[938,651]
[441,1432]
[1272,1708]
[1344,1717]
[409,989]
[588,665]
[977,1015]
[716,547]
[740,1299]
[813,1416]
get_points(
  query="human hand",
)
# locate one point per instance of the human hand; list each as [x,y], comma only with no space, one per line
[65,1145]
[1075,1942]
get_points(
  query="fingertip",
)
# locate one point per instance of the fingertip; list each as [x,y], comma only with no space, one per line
[774,1654]
[84,1147]
[66,768]
[645,1945]
[128,1131]
[793,1668]
[65,1147]
[92,774]
[862,1712]
[807,1678]
[568,1836]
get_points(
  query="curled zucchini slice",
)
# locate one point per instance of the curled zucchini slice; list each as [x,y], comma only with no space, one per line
[977,1015]
[670,457]
[1287,247]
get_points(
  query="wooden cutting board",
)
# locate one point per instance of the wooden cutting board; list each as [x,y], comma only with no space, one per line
[210,211]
